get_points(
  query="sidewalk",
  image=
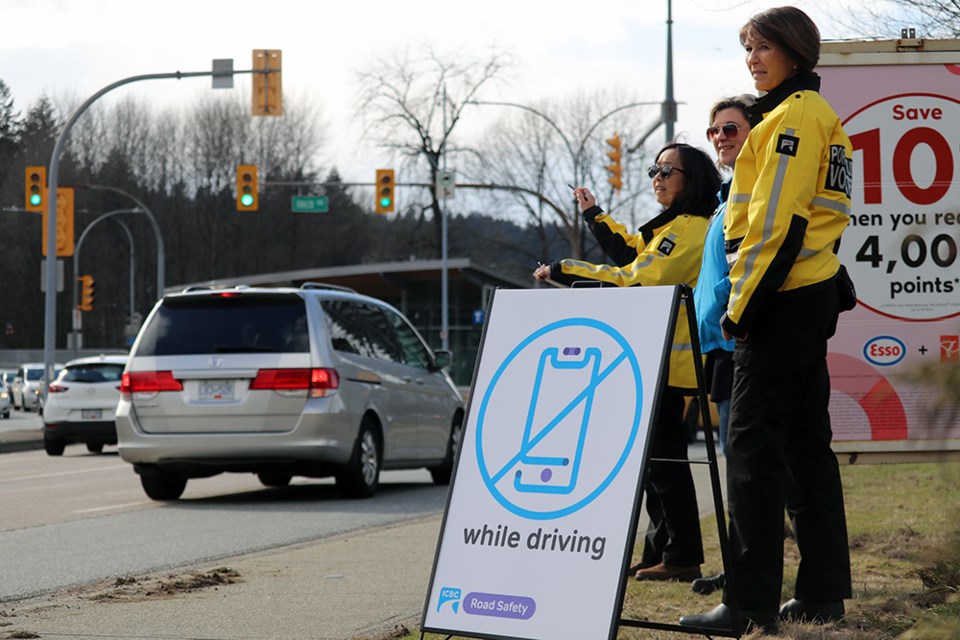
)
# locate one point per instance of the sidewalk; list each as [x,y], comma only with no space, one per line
[366,584]
[358,585]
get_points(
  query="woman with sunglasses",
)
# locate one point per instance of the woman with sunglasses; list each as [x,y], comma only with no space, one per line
[727,132]
[789,205]
[666,251]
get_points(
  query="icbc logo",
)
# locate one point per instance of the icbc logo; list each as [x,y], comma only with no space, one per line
[949,348]
[884,351]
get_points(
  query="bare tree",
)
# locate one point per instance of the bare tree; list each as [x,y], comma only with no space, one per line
[536,152]
[886,18]
[413,105]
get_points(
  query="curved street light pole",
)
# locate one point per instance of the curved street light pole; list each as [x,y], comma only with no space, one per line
[76,268]
[575,156]
[53,176]
[161,260]
[131,303]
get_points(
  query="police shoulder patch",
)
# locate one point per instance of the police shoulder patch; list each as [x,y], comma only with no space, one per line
[840,172]
[787,144]
[666,246]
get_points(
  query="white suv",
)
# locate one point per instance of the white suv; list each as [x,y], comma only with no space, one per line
[281,382]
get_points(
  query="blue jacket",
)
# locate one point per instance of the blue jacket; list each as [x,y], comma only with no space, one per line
[712,292]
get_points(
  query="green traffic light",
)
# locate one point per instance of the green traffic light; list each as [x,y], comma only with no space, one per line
[385,202]
[35,199]
[246,199]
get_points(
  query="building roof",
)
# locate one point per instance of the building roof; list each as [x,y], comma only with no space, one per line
[383,279]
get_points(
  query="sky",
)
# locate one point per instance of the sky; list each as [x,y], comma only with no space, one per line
[74,48]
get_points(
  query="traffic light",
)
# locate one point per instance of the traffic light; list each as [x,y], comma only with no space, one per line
[36,189]
[247,188]
[86,293]
[616,170]
[267,87]
[385,187]
[64,240]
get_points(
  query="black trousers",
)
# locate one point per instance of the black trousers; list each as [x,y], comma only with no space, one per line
[778,455]
[673,536]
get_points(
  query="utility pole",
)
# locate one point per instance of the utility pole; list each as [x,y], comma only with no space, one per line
[444,276]
[669,109]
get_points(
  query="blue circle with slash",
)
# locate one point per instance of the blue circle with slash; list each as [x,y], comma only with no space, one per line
[631,359]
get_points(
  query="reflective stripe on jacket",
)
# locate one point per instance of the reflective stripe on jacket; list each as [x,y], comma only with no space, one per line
[789,201]
[667,251]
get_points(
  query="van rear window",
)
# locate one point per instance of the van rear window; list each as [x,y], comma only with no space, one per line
[241,324]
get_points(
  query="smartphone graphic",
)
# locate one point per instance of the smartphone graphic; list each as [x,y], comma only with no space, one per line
[555,429]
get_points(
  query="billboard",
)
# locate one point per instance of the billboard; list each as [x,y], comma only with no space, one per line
[900,104]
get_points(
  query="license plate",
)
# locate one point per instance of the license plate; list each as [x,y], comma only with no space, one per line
[91,414]
[215,391]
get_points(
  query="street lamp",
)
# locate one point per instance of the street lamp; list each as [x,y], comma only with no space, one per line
[576,156]
[76,270]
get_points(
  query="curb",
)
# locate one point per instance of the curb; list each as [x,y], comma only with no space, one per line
[14,441]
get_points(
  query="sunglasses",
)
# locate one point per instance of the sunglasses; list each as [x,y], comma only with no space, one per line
[665,171]
[730,130]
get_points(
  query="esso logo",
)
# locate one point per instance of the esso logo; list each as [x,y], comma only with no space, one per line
[884,351]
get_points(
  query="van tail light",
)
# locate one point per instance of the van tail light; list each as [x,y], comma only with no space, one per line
[56,388]
[319,382]
[149,382]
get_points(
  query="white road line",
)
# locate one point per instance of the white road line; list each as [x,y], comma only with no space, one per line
[63,473]
[113,506]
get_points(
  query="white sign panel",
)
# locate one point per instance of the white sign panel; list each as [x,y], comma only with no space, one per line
[539,518]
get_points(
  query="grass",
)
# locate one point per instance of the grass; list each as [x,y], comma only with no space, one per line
[904,529]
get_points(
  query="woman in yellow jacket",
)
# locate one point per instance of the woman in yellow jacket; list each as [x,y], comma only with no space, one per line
[666,251]
[789,204]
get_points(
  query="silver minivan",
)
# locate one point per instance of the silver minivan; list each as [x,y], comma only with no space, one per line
[284,382]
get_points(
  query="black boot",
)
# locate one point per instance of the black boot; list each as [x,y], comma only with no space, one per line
[706,586]
[805,611]
[722,618]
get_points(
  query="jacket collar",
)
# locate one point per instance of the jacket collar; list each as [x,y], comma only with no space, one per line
[800,82]
[649,229]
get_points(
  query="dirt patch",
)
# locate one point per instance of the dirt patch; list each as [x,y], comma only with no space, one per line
[128,588]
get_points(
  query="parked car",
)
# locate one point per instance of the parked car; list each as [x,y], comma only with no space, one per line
[26,385]
[81,404]
[281,382]
[5,403]
[6,378]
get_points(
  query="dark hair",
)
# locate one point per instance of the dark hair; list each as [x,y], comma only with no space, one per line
[742,102]
[701,181]
[792,30]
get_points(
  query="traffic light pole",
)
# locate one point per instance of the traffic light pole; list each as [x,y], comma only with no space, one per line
[50,299]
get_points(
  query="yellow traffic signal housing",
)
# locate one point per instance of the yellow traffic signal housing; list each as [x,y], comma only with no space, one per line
[64,239]
[248,198]
[267,87]
[86,293]
[35,191]
[385,202]
[615,168]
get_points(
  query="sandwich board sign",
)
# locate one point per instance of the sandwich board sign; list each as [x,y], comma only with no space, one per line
[541,514]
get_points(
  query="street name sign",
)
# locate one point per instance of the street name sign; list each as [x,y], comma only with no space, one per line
[310,204]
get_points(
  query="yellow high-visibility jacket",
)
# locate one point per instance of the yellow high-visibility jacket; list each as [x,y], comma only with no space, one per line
[667,251]
[789,200]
